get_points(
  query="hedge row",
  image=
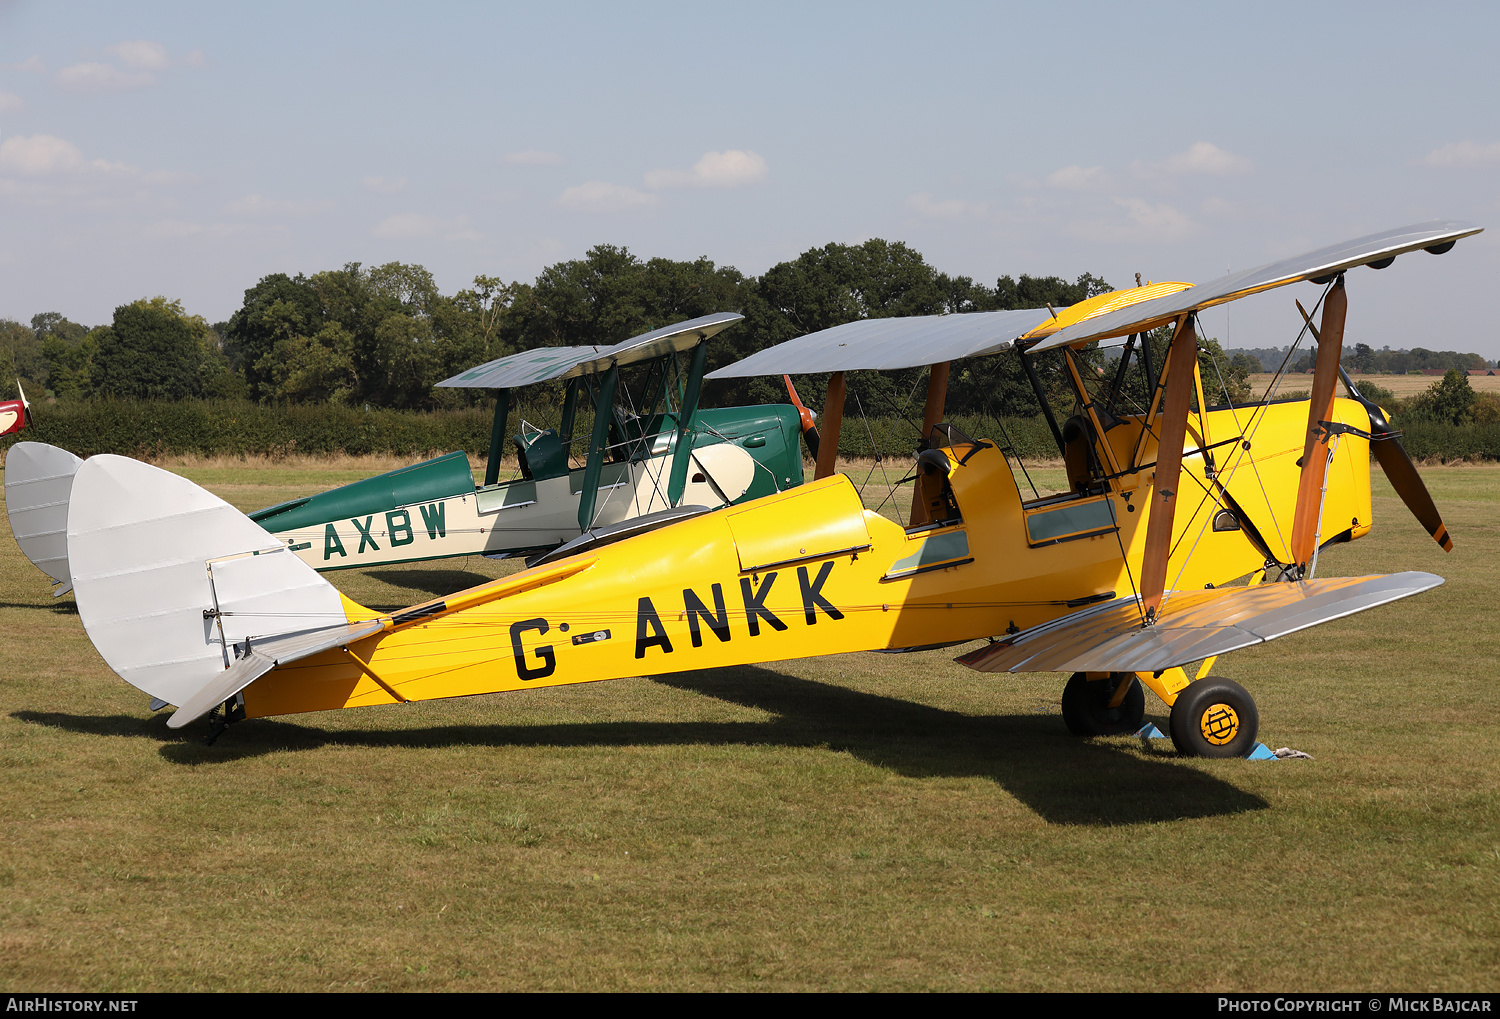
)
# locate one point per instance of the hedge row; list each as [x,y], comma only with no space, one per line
[863,437]
[146,429]
[240,428]
[1428,440]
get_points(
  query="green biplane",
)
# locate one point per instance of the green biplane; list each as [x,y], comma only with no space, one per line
[651,457]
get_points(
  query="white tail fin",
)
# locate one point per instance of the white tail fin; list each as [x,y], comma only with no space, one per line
[170,578]
[38,480]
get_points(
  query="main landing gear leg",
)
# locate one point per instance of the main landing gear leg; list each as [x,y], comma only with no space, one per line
[1103,704]
[222,717]
[1211,716]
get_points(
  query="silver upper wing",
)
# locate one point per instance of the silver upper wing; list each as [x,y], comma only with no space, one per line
[543,364]
[887,343]
[1312,265]
[523,369]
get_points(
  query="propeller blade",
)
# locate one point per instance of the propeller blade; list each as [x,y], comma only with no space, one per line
[1404,478]
[809,419]
[1385,444]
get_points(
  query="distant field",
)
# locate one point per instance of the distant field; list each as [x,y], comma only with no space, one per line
[1400,385]
[864,822]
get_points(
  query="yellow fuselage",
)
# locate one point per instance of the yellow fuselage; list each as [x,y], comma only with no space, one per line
[811,572]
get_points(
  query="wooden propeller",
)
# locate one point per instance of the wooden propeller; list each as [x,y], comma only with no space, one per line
[808,419]
[1385,444]
[1319,416]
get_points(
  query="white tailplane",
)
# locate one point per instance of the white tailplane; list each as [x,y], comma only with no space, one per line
[38,481]
[175,586]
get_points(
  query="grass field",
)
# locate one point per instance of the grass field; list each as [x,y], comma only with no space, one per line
[863,822]
[1403,386]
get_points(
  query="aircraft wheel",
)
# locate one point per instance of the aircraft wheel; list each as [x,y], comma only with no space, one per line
[1086,710]
[1214,717]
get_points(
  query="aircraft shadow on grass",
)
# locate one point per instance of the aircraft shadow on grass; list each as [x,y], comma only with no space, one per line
[437,583]
[1065,780]
[62,606]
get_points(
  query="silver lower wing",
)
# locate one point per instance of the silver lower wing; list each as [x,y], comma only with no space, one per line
[1194,625]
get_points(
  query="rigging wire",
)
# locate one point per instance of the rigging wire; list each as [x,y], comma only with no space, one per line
[879,458]
[989,406]
[1258,414]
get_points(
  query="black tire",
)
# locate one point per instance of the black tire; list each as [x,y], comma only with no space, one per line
[1086,710]
[1214,717]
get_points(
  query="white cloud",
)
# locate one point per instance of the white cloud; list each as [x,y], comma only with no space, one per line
[385,185]
[258,206]
[32,64]
[1160,222]
[950,209]
[1205,157]
[101,78]
[1465,155]
[602,196]
[140,54]
[412,225]
[39,155]
[731,168]
[43,169]
[11,103]
[1078,178]
[533,157]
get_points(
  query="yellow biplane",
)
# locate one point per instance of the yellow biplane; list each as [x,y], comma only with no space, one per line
[1122,580]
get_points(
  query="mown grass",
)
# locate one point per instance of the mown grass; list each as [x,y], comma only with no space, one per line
[858,822]
[1400,385]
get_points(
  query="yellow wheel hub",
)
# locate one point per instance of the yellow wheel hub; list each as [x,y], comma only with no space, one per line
[1219,724]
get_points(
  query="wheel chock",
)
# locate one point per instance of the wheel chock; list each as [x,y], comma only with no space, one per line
[1262,753]
[1150,731]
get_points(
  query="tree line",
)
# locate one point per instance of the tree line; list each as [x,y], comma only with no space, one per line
[381,336]
[1363,358]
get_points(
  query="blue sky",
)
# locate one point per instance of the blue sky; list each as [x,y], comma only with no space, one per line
[189,149]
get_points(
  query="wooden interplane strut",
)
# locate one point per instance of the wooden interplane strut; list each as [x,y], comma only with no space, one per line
[833,418]
[1319,414]
[1171,433]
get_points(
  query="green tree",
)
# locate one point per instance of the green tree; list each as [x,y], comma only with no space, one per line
[149,353]
[277,308]
[1450,400]
[487,304]
[316,369]
[25,350]
[1040,291]
[838,283]
[70,366]
[998,385]
[610,295]
[20,357]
